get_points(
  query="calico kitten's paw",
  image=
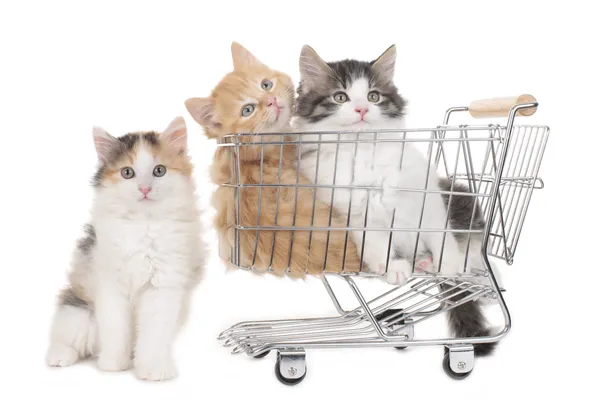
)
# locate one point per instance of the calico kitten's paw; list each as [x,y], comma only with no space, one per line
[60,355]
[398,272]
[114,363]
[155,369]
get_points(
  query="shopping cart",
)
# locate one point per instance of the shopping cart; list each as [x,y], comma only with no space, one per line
[498,164]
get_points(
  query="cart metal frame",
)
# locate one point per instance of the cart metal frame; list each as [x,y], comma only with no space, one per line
[503,186]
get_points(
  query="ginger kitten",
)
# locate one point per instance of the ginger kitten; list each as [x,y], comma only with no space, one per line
[254,98]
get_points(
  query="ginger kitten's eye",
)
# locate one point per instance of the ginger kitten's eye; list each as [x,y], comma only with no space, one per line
[266,84]
[373,96]
[127,172]
[159,170]
[340,97]
[247,110]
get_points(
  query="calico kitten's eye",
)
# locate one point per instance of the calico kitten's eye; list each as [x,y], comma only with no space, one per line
[266,84]
[373,96]
[159,170]
[247,110]
[127,172]
[340,97]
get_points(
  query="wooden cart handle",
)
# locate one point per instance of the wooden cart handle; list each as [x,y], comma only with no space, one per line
[500,106]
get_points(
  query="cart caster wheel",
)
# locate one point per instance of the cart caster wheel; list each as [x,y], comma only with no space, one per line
[290,368]
[287,381]
[262,355]
[458,359]
[409,331]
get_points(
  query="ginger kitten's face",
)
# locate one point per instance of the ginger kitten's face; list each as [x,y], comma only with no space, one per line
[252,99]
[143,169]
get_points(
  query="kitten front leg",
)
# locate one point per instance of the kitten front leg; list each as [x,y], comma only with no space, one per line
[375,255]
[113,314]
[158,320]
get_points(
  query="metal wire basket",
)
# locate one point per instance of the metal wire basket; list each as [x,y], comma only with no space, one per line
[489,170]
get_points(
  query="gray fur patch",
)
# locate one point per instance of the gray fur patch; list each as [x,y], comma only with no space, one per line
[464,211]
[151,139]
[69,298]
[86,243]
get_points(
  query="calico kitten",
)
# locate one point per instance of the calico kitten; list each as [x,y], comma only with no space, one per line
[134,271]
[360,96]
[254,98]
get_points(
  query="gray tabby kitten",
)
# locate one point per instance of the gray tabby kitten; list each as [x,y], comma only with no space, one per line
[361,95]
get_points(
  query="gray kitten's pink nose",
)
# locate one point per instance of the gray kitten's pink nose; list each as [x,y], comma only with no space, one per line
[145,190]
[361,111]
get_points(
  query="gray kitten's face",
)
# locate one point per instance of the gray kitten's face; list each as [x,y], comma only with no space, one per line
[351,94]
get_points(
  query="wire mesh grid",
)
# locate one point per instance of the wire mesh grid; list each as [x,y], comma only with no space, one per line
[311,203]
[387,319]
[278,203]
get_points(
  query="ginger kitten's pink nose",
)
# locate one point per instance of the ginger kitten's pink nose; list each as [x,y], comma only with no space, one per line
[145,190]
[361,111]
[272,101]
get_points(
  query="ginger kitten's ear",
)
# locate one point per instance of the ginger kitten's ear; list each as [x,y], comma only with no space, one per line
[242,58]
[175,135]
[202,109]
[105,143]
[313,69]
[385,63]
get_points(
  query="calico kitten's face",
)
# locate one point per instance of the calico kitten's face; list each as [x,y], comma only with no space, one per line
[143,169]
[252,99]
[349,94]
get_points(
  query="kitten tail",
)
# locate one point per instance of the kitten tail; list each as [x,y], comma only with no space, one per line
[467,320]
[73,333]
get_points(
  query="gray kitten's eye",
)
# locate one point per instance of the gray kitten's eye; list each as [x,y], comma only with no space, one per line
[373,96]
[159,170]
[340,97]
[127,172]
[266,84]
[247,110]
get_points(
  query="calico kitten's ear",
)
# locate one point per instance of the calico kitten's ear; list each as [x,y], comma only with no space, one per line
[202,109]
[242,58]
[175,135]
[384,64]
[105,143]
[313,69]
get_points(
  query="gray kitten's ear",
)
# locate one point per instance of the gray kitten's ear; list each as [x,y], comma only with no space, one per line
[105,143]
[202,109]
[175,135]
[313,69]
[242,58]
[384,64]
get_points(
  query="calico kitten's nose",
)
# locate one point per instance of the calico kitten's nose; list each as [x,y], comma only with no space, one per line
[145,190]
[361,111]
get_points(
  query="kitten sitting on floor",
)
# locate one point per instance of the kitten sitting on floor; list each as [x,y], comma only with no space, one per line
[134,271]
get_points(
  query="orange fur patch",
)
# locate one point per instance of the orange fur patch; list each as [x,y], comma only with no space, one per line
[307,253]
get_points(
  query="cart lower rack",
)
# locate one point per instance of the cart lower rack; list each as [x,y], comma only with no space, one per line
[491,172]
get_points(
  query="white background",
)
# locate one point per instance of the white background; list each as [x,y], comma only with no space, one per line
[130,66]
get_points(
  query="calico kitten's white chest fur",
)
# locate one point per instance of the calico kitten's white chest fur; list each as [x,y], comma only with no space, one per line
[142,252]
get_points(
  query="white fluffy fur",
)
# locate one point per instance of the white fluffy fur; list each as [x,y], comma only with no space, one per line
[139,275]
[379,166]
